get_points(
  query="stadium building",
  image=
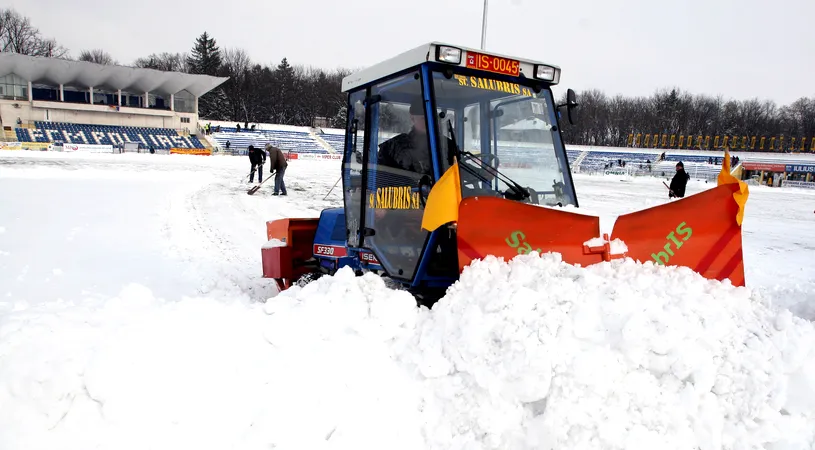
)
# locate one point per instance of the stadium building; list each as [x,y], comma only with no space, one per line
[46,100]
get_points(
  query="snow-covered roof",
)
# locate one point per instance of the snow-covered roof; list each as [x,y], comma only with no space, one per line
[131,79]
[422,54]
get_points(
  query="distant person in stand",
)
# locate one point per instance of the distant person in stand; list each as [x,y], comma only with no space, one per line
[278,163]
[679,182]
[257,158]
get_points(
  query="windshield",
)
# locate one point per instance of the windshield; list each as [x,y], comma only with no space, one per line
[506,134]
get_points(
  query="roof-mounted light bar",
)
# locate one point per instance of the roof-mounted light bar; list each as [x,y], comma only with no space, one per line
[547,73]
[449,55]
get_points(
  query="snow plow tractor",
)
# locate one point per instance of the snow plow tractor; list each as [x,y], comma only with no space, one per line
[452,154]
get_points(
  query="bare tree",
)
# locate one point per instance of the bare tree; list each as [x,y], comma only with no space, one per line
[237,65]
[97,56]
[167,62]
[17,35]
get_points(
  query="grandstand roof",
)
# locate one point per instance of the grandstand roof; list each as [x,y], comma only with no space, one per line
[131,79]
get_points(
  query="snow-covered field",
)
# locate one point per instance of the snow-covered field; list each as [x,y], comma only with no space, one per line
[133,315]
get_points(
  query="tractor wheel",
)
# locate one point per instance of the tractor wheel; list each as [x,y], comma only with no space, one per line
[428,297]
[307,278]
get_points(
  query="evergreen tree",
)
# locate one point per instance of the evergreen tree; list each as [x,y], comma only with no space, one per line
[205,59]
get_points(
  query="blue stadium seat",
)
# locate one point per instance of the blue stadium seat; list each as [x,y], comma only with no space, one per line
[159,138]
[286,140]
[336,140]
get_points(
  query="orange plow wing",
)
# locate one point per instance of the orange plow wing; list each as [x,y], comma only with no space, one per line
[505,228]
[699,232]
[702,232]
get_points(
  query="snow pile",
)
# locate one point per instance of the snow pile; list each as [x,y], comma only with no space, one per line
[541,354]
[137,372]
[342,387]
[616,246]
[533,353]
[273,243]
[132,372]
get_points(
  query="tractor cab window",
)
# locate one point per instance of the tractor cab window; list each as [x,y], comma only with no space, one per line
[506,138]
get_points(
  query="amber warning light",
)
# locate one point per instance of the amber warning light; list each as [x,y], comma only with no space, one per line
[493,64]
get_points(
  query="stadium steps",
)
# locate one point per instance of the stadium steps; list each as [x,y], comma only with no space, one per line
[323,143]
[207,143]
[579,159]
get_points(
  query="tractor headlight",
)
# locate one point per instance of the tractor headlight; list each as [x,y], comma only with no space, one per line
[545,73]
[449,55]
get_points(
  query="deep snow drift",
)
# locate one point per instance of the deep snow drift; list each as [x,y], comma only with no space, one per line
[530,354]
[130,319]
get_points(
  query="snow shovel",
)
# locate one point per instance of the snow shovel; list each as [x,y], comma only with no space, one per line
[255,188]
[332,188]
[669,188]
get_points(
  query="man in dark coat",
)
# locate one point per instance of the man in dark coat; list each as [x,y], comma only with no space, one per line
[409,151]
[679,181]
[257,157]
[278,162]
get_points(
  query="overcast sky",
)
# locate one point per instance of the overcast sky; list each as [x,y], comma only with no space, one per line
[738,48]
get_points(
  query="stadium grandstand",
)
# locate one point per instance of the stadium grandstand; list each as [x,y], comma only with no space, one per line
[48,100]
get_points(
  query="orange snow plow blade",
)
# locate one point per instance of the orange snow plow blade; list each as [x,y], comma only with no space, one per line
[701,232]
[505,228]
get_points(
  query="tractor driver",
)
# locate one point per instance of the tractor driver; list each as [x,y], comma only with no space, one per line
[409,151]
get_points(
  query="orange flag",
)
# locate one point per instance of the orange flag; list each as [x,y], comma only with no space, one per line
[442,203]
[725,177]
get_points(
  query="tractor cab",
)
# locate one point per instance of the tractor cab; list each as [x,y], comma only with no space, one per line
[413,116]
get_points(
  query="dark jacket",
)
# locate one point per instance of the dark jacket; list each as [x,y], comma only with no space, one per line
[407,151]
[680,180]
[277,159]
[256,156]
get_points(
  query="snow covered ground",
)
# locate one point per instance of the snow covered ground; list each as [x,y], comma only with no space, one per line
[132,316]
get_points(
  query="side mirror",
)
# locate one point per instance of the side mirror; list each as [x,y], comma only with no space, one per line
[571,106]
